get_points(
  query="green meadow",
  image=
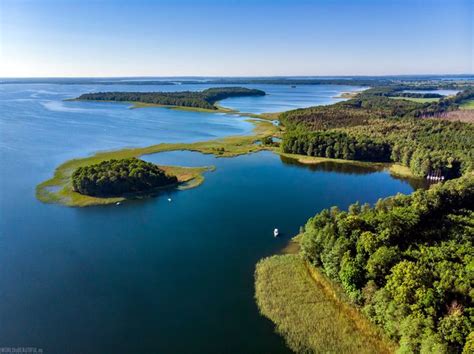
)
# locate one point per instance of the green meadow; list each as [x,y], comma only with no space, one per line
[467,105]
[417,99]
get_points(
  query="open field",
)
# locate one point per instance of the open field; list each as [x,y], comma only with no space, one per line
[308,310]
[467,105]
[416,99]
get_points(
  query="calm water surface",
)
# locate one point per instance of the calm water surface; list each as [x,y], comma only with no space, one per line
[149,276]
[280,98]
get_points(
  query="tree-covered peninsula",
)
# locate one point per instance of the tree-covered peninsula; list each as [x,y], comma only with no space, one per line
[113,178]
[376,127]
[205,99]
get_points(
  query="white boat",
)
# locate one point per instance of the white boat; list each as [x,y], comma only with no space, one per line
[118,203]
[169,199]
[275,233]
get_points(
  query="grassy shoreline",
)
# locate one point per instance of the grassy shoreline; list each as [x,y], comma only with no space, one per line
[219,108]
[136,105]
[58,189]
[310,312]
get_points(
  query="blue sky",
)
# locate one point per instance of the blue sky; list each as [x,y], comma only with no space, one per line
[235,38]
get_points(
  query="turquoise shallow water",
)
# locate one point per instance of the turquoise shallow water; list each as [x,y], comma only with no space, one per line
[148,276]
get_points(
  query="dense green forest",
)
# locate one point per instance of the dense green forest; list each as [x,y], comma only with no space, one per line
[356,81]
[374,127]
[197,99]
[417,95]
[414,82]
[118,177]
[408,261]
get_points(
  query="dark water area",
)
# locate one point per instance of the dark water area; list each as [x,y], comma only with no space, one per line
[354,168]
[148,276]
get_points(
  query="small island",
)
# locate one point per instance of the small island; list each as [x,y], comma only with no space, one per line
[192,99]
[113,178]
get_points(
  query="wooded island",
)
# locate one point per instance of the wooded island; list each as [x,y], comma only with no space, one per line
[197,99]
[113,178]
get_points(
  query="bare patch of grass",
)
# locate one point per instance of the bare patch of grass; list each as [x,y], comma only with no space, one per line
[400,171]
[418,99]
[460,115]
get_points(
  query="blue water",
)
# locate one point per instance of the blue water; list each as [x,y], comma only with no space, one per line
[282,98]
[148,276]
[37,116]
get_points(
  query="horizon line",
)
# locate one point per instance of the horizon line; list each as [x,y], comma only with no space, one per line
[227,76]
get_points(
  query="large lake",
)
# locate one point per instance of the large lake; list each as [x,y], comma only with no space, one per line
[151,276]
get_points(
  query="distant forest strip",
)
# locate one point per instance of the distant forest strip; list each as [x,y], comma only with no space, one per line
[197,99]
[374,127]
[395,83]
[422,82]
